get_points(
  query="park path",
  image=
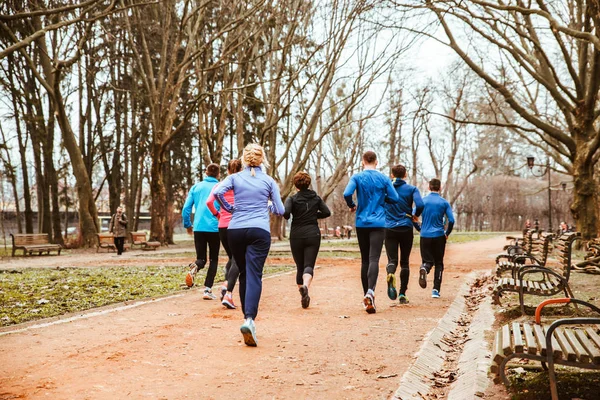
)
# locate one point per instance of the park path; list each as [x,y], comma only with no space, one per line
[185,348]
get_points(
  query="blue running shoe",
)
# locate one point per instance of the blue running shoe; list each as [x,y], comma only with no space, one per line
[435,294]
[391,290]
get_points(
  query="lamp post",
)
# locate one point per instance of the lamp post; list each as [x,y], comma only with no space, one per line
[531,163]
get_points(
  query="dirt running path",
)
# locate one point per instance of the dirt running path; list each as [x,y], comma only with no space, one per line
[184,347]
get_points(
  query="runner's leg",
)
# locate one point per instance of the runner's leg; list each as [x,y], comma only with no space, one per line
[376,238]
[362,235]
[406,238]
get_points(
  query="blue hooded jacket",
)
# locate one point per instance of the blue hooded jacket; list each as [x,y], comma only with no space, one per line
[204,220]
[373,190]
[399,215]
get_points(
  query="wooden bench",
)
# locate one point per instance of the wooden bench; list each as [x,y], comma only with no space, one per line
[139,239]
[106,241]
[552,280]
[524,246]
[577,346]
[537,256]
[33,243]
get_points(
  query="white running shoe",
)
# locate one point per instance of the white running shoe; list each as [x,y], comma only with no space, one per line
[248,330]
[208,294]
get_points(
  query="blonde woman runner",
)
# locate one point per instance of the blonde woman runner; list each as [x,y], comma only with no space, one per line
[256,194]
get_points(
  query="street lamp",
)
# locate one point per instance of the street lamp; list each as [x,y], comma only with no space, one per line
[531,163]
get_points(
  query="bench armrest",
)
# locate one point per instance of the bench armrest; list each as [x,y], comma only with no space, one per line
[540,307]
[539,269]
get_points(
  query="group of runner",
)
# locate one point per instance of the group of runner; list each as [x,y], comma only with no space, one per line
[237,211]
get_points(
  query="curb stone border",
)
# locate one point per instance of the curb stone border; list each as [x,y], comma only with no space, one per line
[416,383]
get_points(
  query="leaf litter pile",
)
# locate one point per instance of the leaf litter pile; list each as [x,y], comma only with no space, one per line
[35,293]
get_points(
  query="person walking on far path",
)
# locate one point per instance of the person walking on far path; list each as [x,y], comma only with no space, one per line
[231,269]
[118,227]
[399,232]
[205,230]
[373,189]
[433,236]
[305,237]
[249,232]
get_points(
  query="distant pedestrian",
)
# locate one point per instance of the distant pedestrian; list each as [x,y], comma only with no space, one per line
[232,271]
[118,227]
[433,236]
[249,232]
[205,230]
[373,189]
[399,232]
[306,207]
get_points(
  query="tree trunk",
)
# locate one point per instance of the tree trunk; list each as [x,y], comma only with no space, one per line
[585,198]
[88,213]
[158,209]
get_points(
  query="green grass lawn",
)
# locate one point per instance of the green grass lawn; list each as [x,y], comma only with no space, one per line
[35,293]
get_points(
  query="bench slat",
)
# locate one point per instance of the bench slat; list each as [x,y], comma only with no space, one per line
[564,344]
[540,338]
[517,338]
[529,339]
[580,351]
[595,338]
[498,354]
[506,345]
[588,345]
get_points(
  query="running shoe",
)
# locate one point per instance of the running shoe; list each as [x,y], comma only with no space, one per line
[391,291]
[402,299]
[208,294]
[189,278]
[435,294]
[223,292]
[423,277]
[305,297]
[248,330]
[228,301]
[369,302]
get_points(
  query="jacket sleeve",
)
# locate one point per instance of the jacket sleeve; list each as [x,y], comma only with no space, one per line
[220,190]
[349,191]
[123,220]
[277,206]
[391,195]
[419,205]
[187,210]
[450,217]
[323,211]
[210,202]
[288,208]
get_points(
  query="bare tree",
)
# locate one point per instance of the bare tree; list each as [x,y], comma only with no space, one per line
[546,71]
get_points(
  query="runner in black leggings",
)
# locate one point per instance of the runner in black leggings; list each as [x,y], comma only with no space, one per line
[305,238]
[232,271]
[399,232]
[373,190]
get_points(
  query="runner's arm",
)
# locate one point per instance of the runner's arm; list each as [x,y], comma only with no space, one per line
[323,211]
[187,211]
[450,217]
[277,207]
[211,201]
[391,196]
[288,208]
[349,191]
[219,193]
[419,205]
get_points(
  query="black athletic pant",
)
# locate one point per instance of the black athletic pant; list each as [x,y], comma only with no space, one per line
[304,251]
[432,253]
[370,243]
[201,239]
[399,237]
[119,244]
[232,271]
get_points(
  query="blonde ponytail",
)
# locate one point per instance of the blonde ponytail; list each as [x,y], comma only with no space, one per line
[253,156]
